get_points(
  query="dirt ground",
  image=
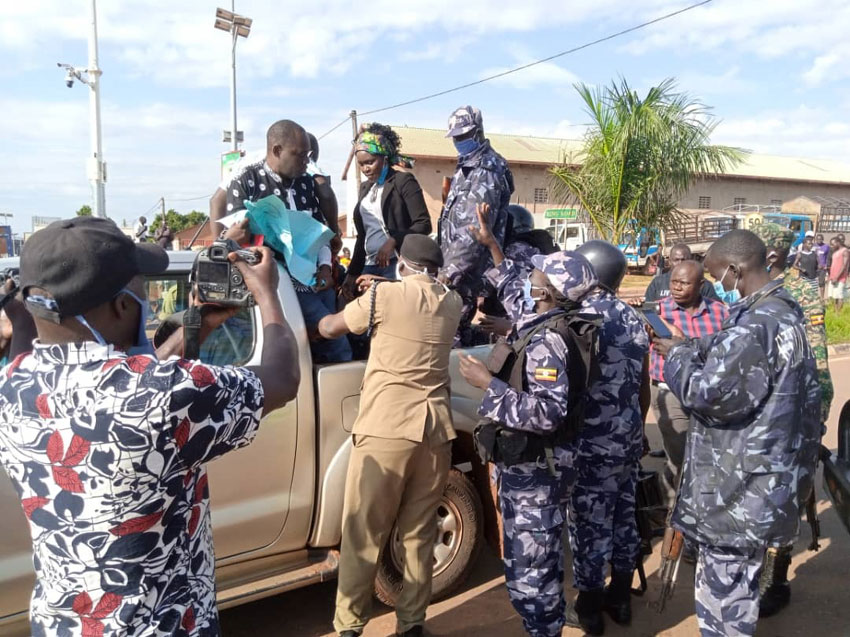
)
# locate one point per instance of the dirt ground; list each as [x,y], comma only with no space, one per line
[820,603]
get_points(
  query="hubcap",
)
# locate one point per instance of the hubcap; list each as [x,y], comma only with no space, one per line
[449,536]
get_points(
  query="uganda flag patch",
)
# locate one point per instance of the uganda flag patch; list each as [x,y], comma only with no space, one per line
[817,319]
[548,374]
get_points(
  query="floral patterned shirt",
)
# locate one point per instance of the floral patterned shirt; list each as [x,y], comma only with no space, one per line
[106,453]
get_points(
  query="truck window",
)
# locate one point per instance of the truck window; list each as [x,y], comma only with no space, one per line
[572,233]
[231,344]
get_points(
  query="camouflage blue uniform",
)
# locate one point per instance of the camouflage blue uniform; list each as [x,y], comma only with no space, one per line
[482,176]
[602,512]
[753,391]
[533,502]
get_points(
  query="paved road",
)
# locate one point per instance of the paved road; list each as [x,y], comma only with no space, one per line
[820,601]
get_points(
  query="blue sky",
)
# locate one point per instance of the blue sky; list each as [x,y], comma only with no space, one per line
[775,72]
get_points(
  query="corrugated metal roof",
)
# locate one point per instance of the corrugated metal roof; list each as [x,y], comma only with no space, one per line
[432,143]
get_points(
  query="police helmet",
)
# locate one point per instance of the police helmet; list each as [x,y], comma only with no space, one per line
[608,261]
[522,220]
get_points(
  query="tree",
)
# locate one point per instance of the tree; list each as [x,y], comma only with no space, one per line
[640,156]
[84,211]
[178,221]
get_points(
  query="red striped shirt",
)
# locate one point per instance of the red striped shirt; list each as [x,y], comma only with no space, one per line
[706,320]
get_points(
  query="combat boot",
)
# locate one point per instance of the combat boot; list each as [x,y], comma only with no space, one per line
[588,608]
[774,589]
[618,598]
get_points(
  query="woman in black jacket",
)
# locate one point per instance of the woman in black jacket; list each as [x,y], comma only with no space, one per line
[390,206]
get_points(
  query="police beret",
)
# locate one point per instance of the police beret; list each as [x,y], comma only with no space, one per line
[422,250]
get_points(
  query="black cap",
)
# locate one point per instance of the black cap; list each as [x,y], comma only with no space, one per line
[422,250]
[84,262]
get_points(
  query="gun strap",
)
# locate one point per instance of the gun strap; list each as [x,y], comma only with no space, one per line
[192,333]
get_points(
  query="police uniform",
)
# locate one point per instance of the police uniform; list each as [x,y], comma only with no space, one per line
[401,451]
[533,496]
[482,176]
[753,391]
[602,514]
[775,574]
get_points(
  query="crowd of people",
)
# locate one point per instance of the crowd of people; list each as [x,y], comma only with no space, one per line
[108,465]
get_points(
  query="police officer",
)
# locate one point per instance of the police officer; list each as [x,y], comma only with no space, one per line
[602,525]
[533,487]
[774,586]
[753,442]
[482,176]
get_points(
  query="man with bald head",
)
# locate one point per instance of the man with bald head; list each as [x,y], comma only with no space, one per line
[694,315]
[659,287]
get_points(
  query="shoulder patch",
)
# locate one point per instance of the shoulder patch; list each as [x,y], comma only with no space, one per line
[548,374]
[817,319]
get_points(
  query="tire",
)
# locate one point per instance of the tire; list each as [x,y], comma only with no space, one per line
[460,538]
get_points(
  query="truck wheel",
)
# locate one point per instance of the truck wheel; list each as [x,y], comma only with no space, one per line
[459,539]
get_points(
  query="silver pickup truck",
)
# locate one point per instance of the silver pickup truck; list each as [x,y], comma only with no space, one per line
[277,504]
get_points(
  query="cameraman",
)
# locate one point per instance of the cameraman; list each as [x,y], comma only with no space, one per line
[106,446]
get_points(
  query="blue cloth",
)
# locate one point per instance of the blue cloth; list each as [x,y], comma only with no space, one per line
[293,233]
[388,272]
[315,306]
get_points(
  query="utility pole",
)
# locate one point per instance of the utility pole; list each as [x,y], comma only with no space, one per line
[238,26]
[162,208]
[354,133]
[234,135]
[95,167]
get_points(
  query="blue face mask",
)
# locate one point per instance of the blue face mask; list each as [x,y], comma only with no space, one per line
[143,345]
[384,172]
[528,301]
[727,296]
[467,146]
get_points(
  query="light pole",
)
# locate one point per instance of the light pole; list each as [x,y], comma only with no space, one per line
[238,26]
[96,167]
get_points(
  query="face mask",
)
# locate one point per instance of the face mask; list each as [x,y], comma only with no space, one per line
[408,267]
[384,172]
[142,344]
[731,296]
[528,301]
[466,147]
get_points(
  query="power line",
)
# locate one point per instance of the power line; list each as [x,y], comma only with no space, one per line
[190,198]
[612,36]
[347,117]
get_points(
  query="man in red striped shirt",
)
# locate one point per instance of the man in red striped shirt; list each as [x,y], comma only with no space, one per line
[693,315]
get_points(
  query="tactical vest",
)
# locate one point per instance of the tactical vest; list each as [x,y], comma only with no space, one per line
[498,442]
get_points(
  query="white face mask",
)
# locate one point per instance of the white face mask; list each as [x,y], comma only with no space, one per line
[410,268]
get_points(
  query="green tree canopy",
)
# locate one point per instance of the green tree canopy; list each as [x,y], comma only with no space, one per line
[178,221]
[84,211]
[640,155]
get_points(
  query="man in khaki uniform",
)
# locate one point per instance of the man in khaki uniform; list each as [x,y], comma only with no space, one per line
[402,450]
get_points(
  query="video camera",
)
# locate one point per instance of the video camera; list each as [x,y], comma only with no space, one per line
[217,281]
[11,273]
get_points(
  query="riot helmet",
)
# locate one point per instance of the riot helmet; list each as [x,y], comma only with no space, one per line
[608,261]
[522,221]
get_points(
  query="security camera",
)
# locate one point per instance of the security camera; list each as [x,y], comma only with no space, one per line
[69,79]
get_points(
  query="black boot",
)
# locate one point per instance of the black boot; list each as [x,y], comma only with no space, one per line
[774,589]
[618,598]
[588,607]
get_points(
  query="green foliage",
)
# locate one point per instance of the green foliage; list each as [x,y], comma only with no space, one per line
[178,221]
[84,211]
[640,156]
[837,324]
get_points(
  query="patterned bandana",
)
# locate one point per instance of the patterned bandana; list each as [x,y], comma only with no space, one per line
[376,144]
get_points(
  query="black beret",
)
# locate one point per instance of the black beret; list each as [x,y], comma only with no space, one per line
[422,250]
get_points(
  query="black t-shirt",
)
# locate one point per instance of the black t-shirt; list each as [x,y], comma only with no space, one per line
[659,288]
[808,264]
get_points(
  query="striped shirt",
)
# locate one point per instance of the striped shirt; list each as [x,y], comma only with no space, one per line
[706,320]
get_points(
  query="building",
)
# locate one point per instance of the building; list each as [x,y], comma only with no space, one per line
[763,180]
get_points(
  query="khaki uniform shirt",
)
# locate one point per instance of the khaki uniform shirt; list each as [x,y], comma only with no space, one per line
[406,390]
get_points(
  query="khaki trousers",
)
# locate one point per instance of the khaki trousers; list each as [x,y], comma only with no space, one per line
[389,480]
[673,423]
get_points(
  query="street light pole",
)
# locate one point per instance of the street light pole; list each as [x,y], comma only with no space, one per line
[238,26]
[97,167]
[233,134]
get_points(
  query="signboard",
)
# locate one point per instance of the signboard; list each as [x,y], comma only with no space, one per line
[7,246]
[561,213]
[228,162]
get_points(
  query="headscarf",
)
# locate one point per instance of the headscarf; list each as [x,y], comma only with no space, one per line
[377,144]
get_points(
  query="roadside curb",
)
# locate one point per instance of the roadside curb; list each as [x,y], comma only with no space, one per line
[841,349]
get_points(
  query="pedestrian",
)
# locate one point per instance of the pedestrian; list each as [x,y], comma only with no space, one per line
[838,270]
[482,176]
[659,287]
[531,423]
[164,236]
[106,441]
[390,206]
[282,174]
[774,586]
[806,261]
[822,250]
[140,230]
[401,451]
[751,450]
[695,316]
[345,259]
[602,520]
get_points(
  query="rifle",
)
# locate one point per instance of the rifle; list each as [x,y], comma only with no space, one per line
[812,519]
[671,557]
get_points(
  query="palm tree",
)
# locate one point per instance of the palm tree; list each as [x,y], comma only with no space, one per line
[640,156]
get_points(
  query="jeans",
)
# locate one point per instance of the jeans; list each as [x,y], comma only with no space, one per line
[315,306]
[388,272]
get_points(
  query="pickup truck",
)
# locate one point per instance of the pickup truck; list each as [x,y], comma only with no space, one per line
[277,504]
[836,469]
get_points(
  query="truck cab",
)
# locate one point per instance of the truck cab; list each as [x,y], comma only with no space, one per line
[798,224]
[277,503]
[642,248]
[569,235]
